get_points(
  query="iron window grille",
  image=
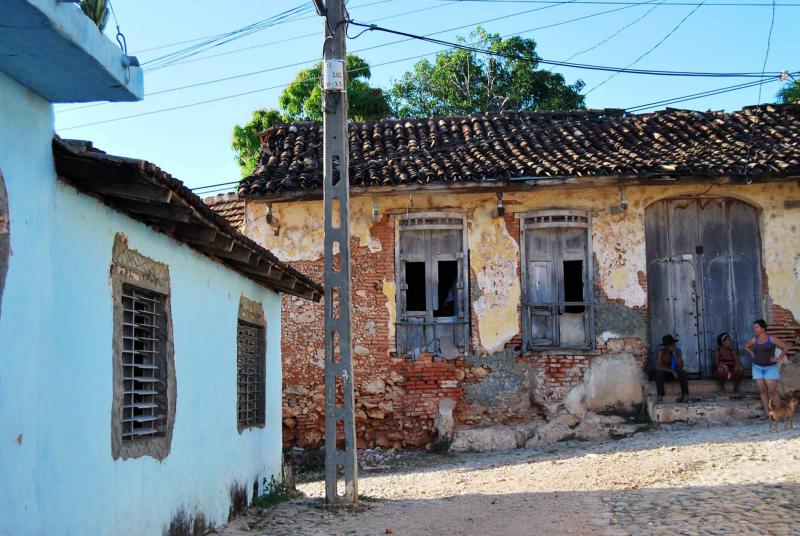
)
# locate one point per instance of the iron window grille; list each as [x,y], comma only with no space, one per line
[251,358]
[144,335]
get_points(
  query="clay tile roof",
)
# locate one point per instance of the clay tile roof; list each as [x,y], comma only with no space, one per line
[146,193]
[497,147]
[230,206]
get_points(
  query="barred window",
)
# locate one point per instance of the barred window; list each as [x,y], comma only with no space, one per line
[144,333]
[251,362]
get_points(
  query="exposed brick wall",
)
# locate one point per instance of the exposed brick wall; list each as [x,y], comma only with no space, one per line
[397,400]
[784,326]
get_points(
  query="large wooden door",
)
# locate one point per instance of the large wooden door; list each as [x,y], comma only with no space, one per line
[703,275]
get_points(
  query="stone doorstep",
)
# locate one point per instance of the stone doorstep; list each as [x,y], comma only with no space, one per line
[702,388]
[720,409]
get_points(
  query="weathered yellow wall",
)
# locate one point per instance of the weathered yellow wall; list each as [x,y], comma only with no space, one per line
[618,240]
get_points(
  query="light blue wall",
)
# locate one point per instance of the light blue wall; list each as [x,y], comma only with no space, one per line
[56,355]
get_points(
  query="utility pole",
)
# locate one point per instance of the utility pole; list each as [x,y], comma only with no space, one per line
[339,398]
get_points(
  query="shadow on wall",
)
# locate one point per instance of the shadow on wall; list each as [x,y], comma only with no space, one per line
[5,242]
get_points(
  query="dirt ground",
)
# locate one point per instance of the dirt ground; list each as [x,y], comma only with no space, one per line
[727,480]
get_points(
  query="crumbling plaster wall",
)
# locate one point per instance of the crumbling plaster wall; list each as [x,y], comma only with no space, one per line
[485,389]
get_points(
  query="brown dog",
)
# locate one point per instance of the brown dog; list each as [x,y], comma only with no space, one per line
[784,412]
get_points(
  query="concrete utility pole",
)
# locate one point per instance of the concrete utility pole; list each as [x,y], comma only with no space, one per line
[339,398]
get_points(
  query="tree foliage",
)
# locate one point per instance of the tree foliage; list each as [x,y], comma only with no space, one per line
[246,142]
[461,82]
[302,101]
[790,93]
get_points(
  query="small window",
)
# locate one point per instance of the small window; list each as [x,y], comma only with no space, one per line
[415,279]
[251,363]
[447,289]
[573,286]
[143,356]
[557,310]
[432,297]
[144,407]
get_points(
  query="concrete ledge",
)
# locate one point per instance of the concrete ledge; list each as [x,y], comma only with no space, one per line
[712,410]
[53,49]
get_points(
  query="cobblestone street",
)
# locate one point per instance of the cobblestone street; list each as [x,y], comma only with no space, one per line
[726,480]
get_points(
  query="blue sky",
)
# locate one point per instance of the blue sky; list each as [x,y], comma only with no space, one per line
[194,143]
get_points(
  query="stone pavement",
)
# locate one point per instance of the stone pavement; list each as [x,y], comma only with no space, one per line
[724,480]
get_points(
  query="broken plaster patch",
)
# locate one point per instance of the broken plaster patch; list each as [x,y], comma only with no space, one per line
[493,258]
[388,293]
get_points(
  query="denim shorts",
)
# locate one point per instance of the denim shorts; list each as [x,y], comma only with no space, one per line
[771,372]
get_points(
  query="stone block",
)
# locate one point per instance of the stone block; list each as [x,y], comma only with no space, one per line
[484,439]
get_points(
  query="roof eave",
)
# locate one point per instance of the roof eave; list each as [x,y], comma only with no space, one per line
[145,193]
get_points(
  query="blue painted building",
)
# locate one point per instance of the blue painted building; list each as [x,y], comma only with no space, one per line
[140,383]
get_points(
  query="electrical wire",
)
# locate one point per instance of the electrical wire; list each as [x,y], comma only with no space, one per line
[311,34]
[758,102]
[702,94]
[194,40]
[585,66]
[617,32]
[314,60]
[617,2]
[172,57]
[651,49]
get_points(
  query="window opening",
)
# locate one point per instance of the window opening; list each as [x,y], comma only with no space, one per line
[573,286]
[447,291]
[415,281]
[144,371]
[251,356]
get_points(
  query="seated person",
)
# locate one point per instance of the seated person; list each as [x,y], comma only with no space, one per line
[726,358]
[669,364]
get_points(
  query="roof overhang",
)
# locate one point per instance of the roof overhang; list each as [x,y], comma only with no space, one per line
[146,193]
[56,51]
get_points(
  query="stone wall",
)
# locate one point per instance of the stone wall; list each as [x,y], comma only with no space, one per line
[398,401]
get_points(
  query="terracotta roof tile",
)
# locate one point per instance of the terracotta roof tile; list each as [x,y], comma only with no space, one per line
[230,206]
[500,146]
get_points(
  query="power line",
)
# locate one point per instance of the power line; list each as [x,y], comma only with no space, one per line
[436,41]
[239,33]
[701,94]
[654,47]
[616,33]
[612,3]
[314,60]
[194,40]
[585,66]
[758,102]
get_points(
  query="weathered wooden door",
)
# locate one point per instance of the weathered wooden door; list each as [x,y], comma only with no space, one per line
[703,275]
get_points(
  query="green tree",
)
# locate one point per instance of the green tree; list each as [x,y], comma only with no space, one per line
[246,141]
[302,101]
[461,82]
[790,93]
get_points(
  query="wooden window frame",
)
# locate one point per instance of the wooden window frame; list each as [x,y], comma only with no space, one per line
[554,219]
[463,317]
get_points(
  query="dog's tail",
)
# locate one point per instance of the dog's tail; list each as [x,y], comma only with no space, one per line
[769,404]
